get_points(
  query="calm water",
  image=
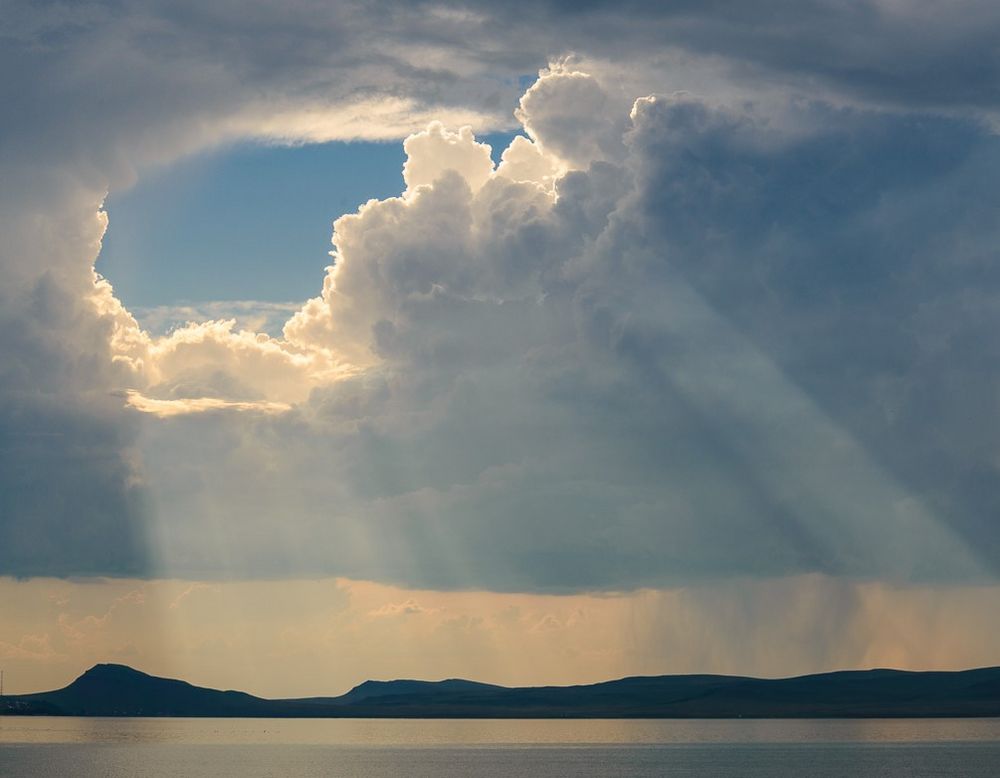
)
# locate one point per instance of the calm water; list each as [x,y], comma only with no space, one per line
[113,748]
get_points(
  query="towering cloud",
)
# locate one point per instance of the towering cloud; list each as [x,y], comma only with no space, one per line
[634,372]
[669,338]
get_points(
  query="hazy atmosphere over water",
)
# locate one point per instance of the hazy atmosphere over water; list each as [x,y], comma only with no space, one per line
[652,338]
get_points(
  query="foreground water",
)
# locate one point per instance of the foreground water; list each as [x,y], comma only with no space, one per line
[113,748]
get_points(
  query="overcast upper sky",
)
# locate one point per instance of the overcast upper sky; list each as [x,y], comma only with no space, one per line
[621,298]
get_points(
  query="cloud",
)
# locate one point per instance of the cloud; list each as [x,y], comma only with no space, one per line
[896,54]
[250,315]
[435,150]
[34,648]
[199,405]
[569,114]
[607,379]
[394,609]
[677,338]
[70,502]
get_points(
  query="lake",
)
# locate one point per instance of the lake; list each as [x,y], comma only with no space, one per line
[376,748]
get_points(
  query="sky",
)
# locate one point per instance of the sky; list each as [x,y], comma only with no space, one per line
[531,343]
[257,220]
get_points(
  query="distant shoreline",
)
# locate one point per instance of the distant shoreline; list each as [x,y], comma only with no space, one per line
[118,691]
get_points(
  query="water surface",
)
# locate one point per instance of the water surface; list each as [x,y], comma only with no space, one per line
[377,748]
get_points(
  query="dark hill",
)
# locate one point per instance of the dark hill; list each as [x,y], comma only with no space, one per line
[370,690]
[116,690]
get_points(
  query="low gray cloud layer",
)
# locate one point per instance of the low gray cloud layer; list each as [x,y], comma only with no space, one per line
[746,332]
[895,53]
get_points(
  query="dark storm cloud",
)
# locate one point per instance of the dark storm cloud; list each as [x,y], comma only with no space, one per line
[916,54]
[70,503]
[863,262]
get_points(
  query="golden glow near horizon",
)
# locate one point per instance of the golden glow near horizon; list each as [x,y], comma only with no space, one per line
[321,637]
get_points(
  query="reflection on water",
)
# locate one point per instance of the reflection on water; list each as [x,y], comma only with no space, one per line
[387,748]
[479,732]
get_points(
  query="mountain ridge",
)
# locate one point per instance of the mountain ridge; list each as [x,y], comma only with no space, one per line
[119,690]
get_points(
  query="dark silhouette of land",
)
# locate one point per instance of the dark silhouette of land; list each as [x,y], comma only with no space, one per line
[117,690]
